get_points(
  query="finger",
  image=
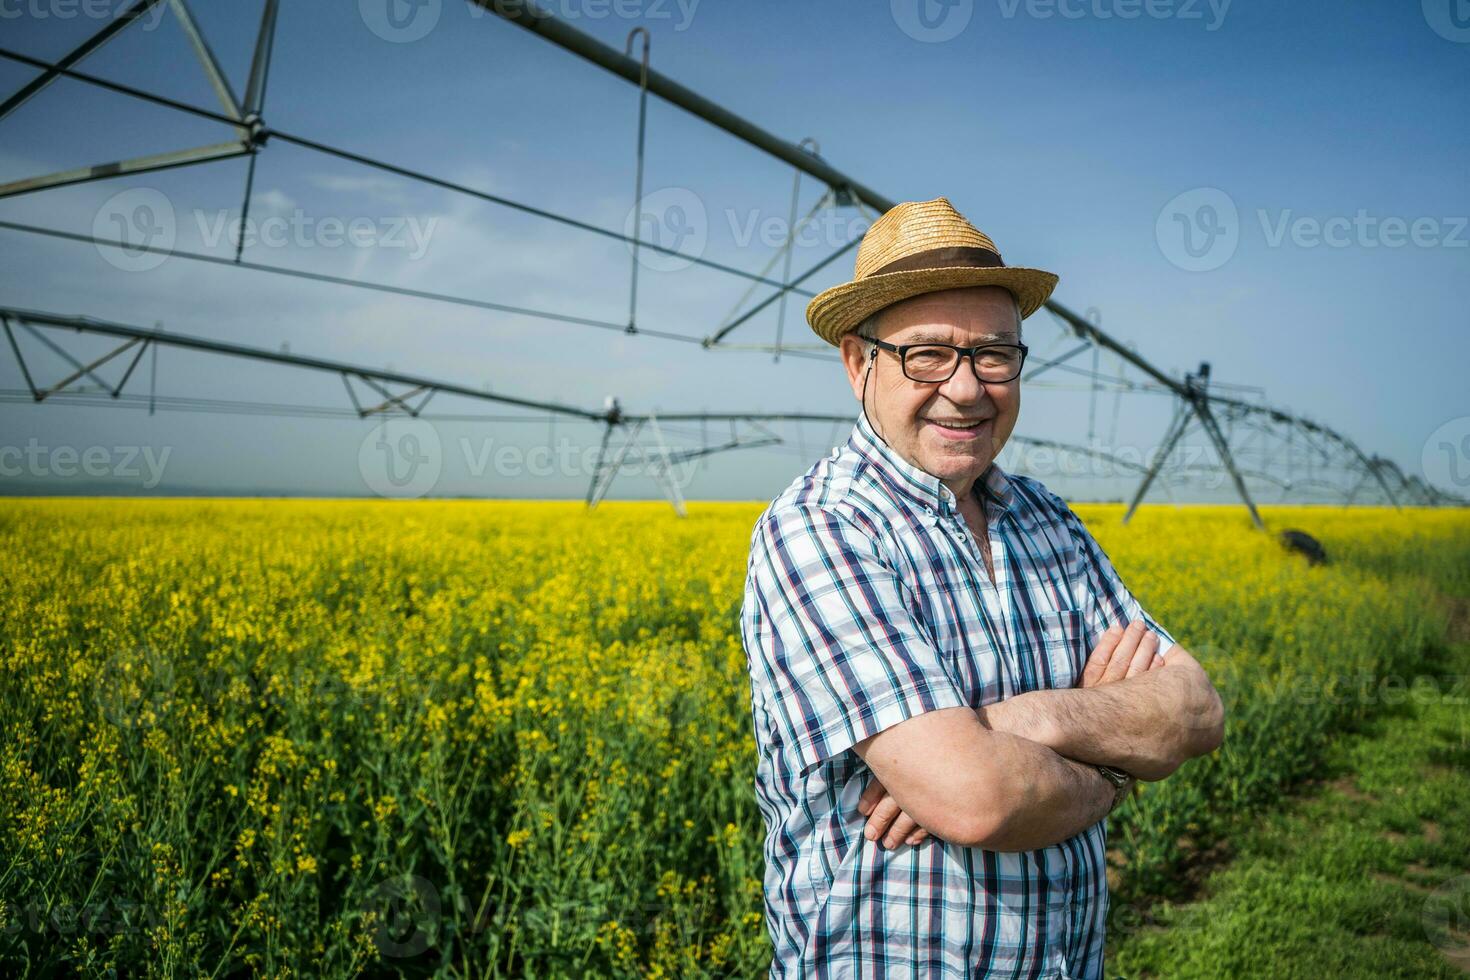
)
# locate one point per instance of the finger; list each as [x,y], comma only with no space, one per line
[1157,662]
[871,795]
[903,827]
[1147,653]
[1097,661]
[917,837]
[881,817]
[1123,655]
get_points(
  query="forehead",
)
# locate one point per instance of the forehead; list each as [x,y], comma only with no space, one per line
[955,316]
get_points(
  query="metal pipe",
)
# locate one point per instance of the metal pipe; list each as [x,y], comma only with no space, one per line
[90,325]
[76,54]
[526,15]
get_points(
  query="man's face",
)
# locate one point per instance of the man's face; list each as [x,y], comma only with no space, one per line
[909,414]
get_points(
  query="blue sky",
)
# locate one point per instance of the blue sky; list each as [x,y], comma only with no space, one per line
[1067,131]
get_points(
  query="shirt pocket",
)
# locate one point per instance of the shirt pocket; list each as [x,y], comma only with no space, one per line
[1063,653]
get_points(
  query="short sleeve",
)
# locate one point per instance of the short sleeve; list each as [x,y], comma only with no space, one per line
[835,651]
[1109,601]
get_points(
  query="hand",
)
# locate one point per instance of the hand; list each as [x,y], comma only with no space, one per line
[886,822]
[1122,653]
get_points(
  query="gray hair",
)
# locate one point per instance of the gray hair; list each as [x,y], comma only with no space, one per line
[868,329]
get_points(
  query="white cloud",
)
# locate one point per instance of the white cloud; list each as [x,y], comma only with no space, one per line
[274,201]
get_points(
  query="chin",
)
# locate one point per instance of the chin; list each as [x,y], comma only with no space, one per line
[955,465]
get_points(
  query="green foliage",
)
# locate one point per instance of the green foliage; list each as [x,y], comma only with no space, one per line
[339,738]
[1368,876]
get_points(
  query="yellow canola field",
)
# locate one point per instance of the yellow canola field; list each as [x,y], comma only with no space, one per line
[323,738]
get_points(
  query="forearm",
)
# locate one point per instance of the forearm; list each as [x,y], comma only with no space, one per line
[983,788]
[1147,725]
[1048,798]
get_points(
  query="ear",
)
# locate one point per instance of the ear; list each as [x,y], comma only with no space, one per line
[855,360]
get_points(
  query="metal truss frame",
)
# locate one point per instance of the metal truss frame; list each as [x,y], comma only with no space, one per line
[1321,447]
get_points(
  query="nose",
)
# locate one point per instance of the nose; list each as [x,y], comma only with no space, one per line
[963,387]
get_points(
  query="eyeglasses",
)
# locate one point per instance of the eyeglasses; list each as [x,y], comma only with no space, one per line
[936,363]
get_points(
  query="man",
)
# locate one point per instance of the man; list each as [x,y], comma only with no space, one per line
[950,685]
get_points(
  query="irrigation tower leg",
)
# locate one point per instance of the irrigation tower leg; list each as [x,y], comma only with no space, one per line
[1176,429]
[1377,471]
[597,469]
[1212,428]
[663,467]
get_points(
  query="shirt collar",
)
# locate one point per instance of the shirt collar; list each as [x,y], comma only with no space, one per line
[918,486]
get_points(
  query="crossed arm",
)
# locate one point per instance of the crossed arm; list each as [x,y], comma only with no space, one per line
[1018,774]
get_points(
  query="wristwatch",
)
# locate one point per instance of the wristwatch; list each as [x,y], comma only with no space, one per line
[1122,784]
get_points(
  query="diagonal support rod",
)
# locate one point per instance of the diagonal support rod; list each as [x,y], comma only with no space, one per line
[117,392]
[25,371]
[120,168]
[789,246]
[260,64]
[597,468]
[87,369]
[49,75]
[207,60]
[1212,428]
[638,179]
[254,104]
[60,352]
[663,468]
[602,480]
[1176,429]
[723,332]
[1064,358]
[400,400]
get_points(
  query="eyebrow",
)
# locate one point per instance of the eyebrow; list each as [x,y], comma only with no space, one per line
[934,337]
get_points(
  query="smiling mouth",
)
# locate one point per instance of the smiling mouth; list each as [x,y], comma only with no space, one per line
[958,425]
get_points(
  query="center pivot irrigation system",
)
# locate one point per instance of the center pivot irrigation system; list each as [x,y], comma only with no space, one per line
[1254,443]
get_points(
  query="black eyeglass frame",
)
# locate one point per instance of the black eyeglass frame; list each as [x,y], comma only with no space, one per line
[965,353]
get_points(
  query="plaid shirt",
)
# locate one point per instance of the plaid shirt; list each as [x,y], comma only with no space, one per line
[867,602]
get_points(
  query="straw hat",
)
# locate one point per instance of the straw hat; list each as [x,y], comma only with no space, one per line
[920,247]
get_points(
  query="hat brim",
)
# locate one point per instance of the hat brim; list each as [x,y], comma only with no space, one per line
[841,309]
